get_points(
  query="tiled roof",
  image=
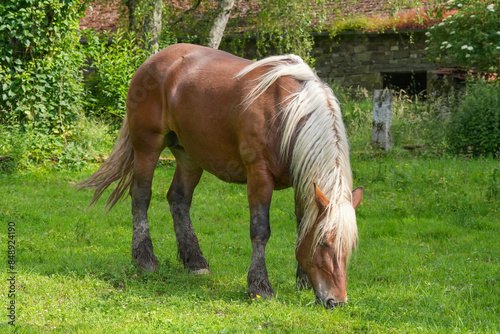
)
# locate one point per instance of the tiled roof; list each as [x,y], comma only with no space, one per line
[105,16]
[102,16]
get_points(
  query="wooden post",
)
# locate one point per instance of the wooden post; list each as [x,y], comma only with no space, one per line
[382,118]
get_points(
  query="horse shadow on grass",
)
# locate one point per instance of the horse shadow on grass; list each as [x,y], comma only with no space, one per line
[171,283]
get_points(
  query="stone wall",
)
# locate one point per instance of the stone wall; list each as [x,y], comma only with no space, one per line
[394,60]
[364,59]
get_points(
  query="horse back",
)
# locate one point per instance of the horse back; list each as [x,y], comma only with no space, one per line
[194,94]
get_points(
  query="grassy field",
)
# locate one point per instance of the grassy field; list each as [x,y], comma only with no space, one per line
[427,260]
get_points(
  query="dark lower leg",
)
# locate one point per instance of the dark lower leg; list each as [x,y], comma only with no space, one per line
[180,194]
[301,280]
[142,246]
[258,280]
[260,188]
[188,247]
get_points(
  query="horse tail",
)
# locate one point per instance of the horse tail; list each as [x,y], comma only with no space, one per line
[118,167]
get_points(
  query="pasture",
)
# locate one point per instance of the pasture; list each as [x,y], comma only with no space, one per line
[427,259]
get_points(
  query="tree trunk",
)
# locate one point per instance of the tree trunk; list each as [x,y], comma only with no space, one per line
[219,23]
[145,19]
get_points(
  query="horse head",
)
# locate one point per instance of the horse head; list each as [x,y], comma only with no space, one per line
[325,264]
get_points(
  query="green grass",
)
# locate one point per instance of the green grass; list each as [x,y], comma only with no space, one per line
[427,260]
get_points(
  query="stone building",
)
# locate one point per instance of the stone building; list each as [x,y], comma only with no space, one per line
[390,59]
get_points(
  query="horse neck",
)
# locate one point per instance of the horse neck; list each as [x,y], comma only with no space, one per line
[319,154]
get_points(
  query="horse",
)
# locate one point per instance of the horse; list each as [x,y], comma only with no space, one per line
[272,124]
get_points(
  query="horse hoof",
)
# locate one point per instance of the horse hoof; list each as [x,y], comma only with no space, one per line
[146,263]
[203,271]
[143,256]
[302,284]
[153,267]
[263,293]
[149,267]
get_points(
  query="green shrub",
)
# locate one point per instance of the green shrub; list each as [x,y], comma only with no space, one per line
[13,148]
[468,36]
[41,93]
[39,65]
[114,60]
[43,96]
[475,127]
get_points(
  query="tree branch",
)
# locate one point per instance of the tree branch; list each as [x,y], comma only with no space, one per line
[192,9]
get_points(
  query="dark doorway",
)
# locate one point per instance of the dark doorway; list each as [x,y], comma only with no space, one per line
[413,83]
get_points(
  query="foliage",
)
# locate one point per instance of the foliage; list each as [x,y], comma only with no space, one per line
[425,262]
[41,92]
[285,26]
[468,38]
[39,65]
[22,150]
[418,125]
[114,59]
[13,148]
[406,20]
[190,26]
[282,26]
[475,126]
[420,15]
[43,95]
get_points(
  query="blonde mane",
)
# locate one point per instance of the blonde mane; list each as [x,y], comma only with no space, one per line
[311,118]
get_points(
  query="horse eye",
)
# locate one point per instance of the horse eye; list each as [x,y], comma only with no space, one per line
[324,244]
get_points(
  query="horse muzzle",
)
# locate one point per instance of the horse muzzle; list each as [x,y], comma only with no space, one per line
[330,303]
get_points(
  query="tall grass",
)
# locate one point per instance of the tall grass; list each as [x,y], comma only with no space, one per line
[25,150]
[418,125]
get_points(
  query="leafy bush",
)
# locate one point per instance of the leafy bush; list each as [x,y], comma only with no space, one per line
[41,92]
[43,96]
[39,65]
[20,149]
[475,127]
[468,37]
[13,148]
[114,60]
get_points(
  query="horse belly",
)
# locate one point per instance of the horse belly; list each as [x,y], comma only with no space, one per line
[219,160]
[207,133]
[204,108]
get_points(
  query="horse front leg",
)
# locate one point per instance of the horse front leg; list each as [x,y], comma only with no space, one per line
[301,279]
[260,187]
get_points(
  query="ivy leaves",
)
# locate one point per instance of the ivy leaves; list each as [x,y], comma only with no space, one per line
[39,68]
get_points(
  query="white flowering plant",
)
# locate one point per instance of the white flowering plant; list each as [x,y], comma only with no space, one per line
[469,36]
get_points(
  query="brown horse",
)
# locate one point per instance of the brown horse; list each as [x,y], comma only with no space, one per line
[270,124]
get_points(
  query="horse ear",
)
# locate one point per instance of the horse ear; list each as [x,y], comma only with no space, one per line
[321,201]
[357,195]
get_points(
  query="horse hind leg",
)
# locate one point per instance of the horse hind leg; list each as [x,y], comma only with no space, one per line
[180,194]
[140,191]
